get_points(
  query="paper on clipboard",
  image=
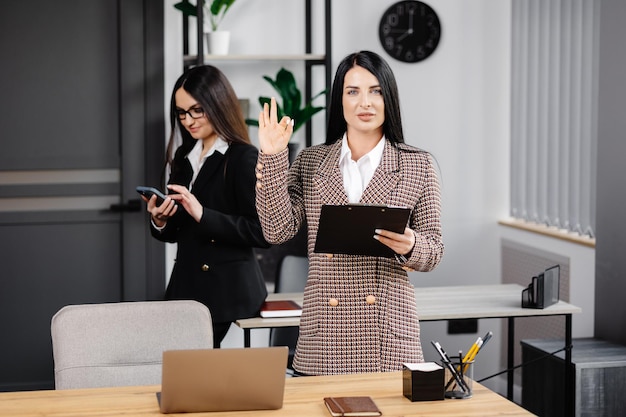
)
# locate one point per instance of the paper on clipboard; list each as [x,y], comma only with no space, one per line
[349,229]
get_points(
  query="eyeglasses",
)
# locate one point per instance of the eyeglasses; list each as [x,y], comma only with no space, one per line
[194,112]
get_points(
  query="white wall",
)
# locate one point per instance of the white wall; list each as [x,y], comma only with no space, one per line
[455,105]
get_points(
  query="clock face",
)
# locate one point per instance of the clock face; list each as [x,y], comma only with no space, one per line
[409,31]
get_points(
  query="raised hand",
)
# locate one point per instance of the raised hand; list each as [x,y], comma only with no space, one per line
[274,135]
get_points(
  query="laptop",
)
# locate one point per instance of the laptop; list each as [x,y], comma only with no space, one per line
[223,379]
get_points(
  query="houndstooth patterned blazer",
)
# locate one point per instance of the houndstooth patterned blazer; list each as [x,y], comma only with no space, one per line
[359,312]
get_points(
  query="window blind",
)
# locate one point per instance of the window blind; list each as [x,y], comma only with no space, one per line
[554,112]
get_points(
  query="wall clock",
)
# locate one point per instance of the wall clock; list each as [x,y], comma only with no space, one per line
[409,31]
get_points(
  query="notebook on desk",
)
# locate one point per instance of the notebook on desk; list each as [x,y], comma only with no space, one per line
[223,379]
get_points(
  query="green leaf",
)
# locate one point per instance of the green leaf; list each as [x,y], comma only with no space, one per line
[220,6]
[290,94]
[305,114]
[291,100]
[218,11]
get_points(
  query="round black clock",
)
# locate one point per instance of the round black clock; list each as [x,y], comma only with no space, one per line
[409,31]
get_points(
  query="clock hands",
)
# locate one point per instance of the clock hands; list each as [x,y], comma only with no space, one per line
[410,30]
[404,35]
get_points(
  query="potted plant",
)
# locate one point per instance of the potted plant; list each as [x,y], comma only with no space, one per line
[217,41]
[285,86]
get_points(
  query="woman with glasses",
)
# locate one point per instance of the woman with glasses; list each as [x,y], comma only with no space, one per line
[210,211]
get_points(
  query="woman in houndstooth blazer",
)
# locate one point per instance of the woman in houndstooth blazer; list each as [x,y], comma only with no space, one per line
[359,312]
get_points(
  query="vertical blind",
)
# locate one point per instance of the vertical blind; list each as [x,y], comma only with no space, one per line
[554,76]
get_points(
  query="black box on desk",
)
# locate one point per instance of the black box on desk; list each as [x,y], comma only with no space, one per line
[423,381]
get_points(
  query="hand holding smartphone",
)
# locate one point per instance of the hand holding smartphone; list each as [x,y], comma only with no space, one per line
[148,192]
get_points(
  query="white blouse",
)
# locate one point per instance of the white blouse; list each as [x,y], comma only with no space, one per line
[357,174]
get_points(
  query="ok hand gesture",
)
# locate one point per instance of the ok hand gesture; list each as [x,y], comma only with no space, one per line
[273,134]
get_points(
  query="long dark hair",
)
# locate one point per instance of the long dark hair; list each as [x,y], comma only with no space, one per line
[374,63]
[210,87]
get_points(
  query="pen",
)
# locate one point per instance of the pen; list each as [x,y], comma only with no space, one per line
[487,337]
[443,353]
[448,364]
[445,360]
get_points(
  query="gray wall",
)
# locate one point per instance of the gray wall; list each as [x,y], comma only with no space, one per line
[82,126]
[610,313]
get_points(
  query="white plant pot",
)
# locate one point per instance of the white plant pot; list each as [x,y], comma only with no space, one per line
[217,42]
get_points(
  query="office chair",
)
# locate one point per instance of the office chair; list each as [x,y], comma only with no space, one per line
[120,344]
[291,277]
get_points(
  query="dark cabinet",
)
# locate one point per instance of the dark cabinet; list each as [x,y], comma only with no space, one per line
[599,372]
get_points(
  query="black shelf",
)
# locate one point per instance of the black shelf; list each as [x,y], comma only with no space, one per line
[311,60]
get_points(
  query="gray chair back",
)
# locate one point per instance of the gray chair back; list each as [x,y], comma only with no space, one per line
[292,274]
[121,344]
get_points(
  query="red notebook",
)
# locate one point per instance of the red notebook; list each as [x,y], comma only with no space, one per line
[352,406]
[281,308]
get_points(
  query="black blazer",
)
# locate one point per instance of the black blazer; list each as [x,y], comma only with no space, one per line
[215,261]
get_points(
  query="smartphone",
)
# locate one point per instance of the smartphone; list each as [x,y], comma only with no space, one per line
[148,192]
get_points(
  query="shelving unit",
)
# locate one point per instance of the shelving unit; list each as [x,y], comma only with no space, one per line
[310,60]
[191,59]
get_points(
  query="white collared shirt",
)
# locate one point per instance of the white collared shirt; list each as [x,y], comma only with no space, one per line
[196,161]
[357,174]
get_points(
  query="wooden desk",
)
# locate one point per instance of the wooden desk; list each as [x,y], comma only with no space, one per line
[303,397]
[460,302]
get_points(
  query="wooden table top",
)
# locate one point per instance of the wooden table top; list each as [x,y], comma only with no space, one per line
[303,397]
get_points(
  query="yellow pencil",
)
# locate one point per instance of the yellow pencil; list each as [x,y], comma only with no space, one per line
[472,351]
[467,362]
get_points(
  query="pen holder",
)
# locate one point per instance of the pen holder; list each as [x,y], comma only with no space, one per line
[459,384]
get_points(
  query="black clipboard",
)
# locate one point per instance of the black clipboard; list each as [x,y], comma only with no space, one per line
[349,229]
